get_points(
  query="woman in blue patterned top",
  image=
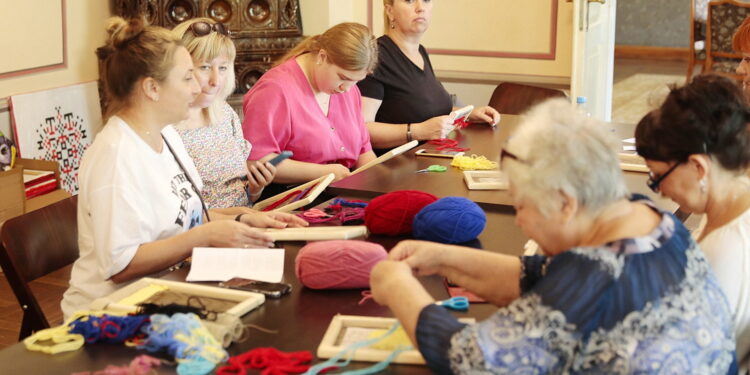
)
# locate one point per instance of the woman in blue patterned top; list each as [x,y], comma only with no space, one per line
[622,287]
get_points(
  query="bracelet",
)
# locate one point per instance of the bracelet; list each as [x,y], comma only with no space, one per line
[408,132]
[238,217]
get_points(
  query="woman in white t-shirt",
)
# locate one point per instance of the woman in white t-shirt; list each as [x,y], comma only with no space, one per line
[697,146]
[139,210]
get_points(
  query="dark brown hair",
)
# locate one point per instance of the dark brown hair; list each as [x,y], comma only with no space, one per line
[707,116]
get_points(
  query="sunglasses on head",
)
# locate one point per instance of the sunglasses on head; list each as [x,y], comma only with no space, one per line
[205,28]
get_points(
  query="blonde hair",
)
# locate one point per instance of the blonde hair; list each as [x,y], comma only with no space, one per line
[134,50]
[348,45]
[207,48]
[741,38]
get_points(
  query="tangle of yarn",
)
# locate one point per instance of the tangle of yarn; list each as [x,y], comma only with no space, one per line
[140,365]
[347,212]
[447,144]
[473,162]
[109,329]
[187,340]
[270,361]
[348,352]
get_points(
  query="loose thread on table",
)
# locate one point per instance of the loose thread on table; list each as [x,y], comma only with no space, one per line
[447,145]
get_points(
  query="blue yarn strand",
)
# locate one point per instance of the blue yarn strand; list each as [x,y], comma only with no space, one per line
[349,351]
[347,203]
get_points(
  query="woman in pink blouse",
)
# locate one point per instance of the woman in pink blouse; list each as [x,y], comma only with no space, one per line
[310,104]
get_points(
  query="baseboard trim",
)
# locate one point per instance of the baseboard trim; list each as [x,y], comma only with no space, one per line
[495,78]
[652,53]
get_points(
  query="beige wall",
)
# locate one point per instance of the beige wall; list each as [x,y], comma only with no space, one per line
[85,31]
[485,26]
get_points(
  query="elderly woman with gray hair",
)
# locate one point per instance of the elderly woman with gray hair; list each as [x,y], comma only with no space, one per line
[621,287]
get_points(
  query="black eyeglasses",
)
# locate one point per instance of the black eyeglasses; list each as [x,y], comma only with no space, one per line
[205,28]
[504,153]
[654,182]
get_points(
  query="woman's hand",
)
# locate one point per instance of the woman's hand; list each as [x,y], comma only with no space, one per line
[259,219]
[432,128]
[485,114]
[339,171]
[260,174]
[424,258]
[386,277]
[229,233]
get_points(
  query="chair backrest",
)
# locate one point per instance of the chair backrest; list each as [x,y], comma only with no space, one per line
[724,17]
[33,245]
[515,99]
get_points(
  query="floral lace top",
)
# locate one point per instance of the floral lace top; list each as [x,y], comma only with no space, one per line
[220,154]
[647,305]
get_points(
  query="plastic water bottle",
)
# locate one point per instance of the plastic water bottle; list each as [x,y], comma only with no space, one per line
[581,105]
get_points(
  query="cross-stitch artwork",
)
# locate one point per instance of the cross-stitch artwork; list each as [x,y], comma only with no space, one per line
[58,125]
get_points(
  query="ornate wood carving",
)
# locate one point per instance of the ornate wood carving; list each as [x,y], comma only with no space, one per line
[262,30]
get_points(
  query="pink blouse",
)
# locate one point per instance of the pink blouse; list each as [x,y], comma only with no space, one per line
[281,114]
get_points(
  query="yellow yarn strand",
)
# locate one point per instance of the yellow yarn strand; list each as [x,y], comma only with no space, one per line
[398,339]
[473,162]
[60,336]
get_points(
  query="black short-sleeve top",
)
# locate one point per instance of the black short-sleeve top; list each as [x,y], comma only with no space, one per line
[408,93]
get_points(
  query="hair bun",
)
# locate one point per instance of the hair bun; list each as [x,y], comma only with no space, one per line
[121,31]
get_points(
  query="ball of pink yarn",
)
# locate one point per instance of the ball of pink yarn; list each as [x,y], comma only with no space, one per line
[341,264]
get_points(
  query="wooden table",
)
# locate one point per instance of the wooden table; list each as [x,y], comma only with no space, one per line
[301,317]
[399,173]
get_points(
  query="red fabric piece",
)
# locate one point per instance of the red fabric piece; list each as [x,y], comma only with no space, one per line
[393,213]
[270,360]
[461,123]
[280,201]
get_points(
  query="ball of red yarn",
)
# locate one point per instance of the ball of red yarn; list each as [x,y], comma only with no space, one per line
[340,264]
[393,213]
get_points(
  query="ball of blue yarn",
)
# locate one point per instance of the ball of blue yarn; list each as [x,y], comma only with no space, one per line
[449,220]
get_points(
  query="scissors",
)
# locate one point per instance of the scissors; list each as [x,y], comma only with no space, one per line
[433,168]
[455,303]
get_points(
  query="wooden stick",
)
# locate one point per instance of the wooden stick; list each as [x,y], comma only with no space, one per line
[322,183]
[317,233]
[387,156]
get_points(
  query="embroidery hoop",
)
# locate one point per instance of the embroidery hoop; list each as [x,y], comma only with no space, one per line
[319,185]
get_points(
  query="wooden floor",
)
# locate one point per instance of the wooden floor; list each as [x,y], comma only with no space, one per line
[49,289]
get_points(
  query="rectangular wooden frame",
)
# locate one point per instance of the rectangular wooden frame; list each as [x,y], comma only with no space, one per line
[470,177]
[318,233]
[329,346]
[632,163]
[388,156]
[322,183]
[246,301]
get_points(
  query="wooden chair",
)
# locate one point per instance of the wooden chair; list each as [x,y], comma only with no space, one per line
[698,14]
[724,17]
[515,99]
[33,245]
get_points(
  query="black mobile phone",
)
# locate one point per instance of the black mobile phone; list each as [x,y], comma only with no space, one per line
[272,290]
[281,157]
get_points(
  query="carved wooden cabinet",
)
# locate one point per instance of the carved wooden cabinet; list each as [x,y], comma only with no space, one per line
[262,30]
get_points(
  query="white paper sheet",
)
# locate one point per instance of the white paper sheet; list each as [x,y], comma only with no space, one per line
[222,264]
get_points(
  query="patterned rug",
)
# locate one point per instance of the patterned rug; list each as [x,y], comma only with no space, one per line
[635,96]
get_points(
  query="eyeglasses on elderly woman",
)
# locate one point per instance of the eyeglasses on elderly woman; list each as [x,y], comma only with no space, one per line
[654,180]
[204,28]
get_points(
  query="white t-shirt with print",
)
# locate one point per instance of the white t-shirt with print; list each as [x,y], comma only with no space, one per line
[129,195]
[727,249]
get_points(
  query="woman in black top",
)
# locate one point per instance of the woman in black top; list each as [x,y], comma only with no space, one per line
[403,100]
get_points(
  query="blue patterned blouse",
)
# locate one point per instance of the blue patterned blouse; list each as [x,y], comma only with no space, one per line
[647,305]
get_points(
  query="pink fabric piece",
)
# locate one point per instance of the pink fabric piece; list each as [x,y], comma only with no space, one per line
[281,113]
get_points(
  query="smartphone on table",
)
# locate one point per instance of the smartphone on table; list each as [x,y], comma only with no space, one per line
[271,290]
